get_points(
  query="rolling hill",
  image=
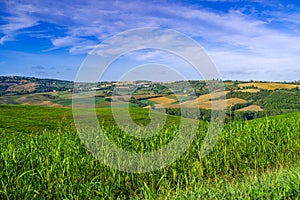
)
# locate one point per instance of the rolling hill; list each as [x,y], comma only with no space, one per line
[267,98]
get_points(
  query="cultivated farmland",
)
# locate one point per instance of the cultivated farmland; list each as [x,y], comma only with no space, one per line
[268,86]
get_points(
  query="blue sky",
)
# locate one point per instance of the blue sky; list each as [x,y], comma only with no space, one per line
[246,40]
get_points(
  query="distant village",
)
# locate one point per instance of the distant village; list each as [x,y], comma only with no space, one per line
[125,85]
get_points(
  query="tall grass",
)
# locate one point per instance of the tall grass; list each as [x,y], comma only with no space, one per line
[251,159]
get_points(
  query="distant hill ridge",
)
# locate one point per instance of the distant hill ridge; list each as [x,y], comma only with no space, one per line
[25,85]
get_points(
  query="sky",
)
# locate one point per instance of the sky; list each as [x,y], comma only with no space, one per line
[246,40]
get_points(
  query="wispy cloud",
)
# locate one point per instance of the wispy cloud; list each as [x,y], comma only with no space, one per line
[39,67]
[19,19]
[238,38]
[97,19]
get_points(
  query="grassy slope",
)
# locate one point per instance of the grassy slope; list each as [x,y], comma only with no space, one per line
[32,119]
[52,163]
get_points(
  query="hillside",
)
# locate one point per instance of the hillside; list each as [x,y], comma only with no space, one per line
[16,85]
[244,100]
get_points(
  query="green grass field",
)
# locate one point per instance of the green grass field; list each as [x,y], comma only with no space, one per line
[42,157]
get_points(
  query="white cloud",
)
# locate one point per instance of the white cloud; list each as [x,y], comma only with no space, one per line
[20,19]
[16,23]
[236,65]
[76,44]
[64,41]
[251,42]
